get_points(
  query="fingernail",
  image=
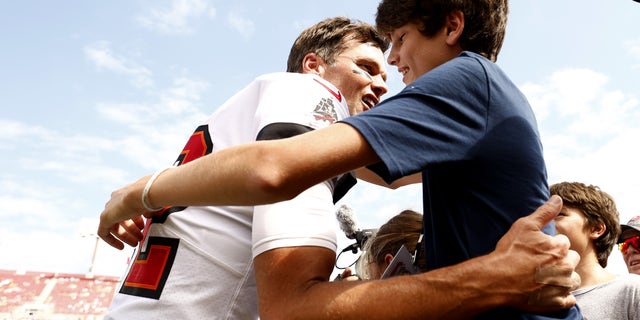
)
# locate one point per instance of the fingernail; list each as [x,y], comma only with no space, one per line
[555,200]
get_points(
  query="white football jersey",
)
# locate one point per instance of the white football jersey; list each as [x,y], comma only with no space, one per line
[196,262]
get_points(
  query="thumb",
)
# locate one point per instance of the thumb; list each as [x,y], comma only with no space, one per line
[547,212]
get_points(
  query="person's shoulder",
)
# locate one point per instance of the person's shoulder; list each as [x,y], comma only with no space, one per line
[290,79]
[281,76]
[631,277]
[629,282]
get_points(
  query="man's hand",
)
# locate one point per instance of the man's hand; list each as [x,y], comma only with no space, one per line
[121,220]
[541,268]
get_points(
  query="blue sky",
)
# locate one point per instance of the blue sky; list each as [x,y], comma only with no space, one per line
[96,94]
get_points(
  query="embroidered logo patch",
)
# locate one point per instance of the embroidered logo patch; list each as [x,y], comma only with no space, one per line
[325,110]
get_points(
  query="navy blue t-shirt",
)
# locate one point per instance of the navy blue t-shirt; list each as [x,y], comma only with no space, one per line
[474,137]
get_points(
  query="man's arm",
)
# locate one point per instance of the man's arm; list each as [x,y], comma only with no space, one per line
[293,283]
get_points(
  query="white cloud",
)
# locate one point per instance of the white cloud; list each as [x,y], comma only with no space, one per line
[182,99]
[244,26]
[177,19]
[575,104]
[100,54]
[183,96]
[126,113]
[155,132]
[568,92]
[12,129]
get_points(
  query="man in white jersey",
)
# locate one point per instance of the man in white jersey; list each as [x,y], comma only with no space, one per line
[197,262]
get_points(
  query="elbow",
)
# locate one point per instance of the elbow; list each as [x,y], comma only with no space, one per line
[274,179]
[272,186]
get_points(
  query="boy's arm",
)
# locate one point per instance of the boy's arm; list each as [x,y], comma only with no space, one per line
[251,174]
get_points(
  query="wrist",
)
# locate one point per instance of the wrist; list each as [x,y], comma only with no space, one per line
[146,204]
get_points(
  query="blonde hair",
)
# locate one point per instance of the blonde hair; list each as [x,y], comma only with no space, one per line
[402,229]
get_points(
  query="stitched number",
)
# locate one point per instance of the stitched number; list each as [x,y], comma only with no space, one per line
[149,272]
[199,144]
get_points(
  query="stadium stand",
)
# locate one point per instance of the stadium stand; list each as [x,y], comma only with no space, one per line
[47,295]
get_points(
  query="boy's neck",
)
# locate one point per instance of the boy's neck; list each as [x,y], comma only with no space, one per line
[591,272]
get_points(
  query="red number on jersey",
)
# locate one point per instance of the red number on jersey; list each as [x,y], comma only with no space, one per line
[150,270]
[199,144]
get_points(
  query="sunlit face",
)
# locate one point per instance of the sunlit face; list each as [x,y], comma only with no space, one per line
[632,257]
[415,54]
[572,223]
[360,74]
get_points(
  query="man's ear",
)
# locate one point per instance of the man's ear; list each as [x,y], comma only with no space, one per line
[313,64]
[454,25]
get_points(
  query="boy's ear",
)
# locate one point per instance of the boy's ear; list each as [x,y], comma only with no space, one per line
[597,230]
[454,25]
[311,63]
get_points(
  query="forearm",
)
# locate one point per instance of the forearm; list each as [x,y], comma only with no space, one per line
[448,293]
[263,172]
[226,177]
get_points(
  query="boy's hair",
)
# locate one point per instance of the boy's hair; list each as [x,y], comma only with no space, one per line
[485,21]
[597,207]
[403,228]
[328,38]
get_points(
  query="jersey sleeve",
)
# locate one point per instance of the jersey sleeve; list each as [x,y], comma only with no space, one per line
[287,108]
[306,220]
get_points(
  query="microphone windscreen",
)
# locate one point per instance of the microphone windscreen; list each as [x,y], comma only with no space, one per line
[347,219]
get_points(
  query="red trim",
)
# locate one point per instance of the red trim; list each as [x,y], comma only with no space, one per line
[337,94]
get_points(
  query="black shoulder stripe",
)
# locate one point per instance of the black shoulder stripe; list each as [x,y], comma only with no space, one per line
[342,185]
[280,130]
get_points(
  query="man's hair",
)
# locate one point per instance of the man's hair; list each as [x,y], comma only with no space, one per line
[402,229]
[328,38]
[597,207]
[485,21]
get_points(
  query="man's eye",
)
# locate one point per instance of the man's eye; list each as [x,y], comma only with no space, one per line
[368,70]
